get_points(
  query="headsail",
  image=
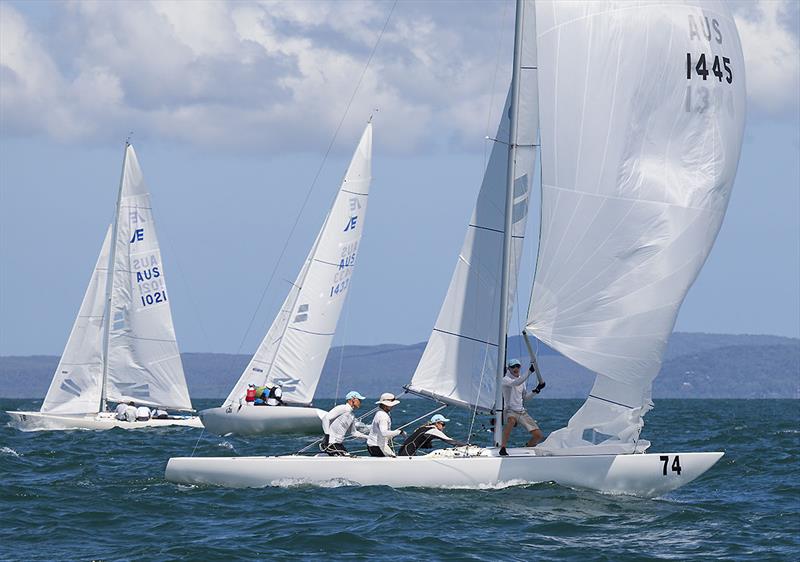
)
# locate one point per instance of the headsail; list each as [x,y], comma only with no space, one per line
[75,388]
[144,364]
[294,350]
[459,362]
[643,107]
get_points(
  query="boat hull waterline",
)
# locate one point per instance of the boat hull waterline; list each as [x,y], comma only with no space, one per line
[645,475]
[39,421]
[263,420]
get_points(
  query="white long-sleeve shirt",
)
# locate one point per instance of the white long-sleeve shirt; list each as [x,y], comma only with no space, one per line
[381,432]
[340,422]
[514,392]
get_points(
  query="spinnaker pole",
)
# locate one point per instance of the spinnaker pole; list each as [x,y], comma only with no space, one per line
[112,256]
[508,225]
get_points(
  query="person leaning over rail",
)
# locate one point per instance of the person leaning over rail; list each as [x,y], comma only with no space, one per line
[339,423]
[382,432]
[424,435]
[514,412]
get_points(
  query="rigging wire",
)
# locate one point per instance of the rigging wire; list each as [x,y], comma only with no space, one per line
[316,177]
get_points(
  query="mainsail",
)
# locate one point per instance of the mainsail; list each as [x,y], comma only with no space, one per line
[75,388]
[643,108]
[293,352]
[144,364]
[459,362]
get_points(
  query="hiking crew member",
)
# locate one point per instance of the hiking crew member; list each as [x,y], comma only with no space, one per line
[423,437]
[382,432]
[513,408]
[274,398]
[339,423]
[142,413]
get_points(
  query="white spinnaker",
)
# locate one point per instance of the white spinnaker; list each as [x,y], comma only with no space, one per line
[294,350]
[638,162]
[75,388]
[144,364]
[458,364]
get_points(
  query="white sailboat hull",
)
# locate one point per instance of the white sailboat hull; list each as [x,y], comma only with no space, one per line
[39,421]
[263,420]
[633,474]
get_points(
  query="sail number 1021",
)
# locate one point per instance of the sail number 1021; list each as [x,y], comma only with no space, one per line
[676,464]
[700,67]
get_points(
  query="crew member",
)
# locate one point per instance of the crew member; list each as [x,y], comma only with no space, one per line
[275,395]
[514,410]
[423,437]
[381,431]
[339,423]
[142,413]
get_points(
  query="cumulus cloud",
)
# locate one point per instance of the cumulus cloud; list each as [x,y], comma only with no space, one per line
[277,75]
[768,30]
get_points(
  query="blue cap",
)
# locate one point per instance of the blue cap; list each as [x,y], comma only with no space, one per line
[514,363]
[439,418]
[353,394]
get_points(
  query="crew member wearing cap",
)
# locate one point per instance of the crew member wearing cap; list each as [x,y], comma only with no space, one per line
[339,423]
[382,432]
[423,437]
[514,410]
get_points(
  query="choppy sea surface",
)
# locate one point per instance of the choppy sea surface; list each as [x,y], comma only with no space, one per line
[85,495]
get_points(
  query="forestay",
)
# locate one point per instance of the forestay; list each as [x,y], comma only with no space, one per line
[144,364]
[459,361]
[294,350]
[75,388]
[643,108]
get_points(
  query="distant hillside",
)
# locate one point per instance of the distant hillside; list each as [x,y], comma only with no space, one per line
[695,366]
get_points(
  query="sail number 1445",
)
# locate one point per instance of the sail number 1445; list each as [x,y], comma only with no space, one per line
[700,67]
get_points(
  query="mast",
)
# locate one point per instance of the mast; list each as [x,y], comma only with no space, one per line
[112,255]
[507,228]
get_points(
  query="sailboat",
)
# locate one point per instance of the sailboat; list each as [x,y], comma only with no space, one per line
[294,349]
[639,109]
[133,357]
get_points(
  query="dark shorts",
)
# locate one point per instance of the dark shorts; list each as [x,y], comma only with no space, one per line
[336,450]
[375,451]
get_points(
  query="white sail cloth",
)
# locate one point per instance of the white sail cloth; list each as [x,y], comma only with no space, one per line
[459,362]
[144,364]
[643,108]
[293,352]
[76,385]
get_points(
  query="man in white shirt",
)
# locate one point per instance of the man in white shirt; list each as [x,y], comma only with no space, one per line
[513,408]
[130,412]
[119,412]
[382,432]
[142,413]
[339,423]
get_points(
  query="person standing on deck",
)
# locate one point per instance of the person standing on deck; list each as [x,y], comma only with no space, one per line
[339,423]
[514,412]
[382,432]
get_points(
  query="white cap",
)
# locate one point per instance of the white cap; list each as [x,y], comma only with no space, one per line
[388,399]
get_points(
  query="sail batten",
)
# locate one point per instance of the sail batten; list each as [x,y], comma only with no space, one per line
[297,343]
[460,359]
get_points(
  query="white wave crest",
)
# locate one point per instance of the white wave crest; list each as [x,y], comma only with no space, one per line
[9,451]
[301,482]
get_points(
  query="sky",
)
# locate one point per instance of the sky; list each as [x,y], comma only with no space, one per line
[233,107]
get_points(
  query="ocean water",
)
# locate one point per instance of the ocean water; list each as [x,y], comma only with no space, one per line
[83,495]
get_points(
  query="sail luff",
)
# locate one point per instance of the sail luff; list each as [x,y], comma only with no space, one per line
[507,225]
[110,282]
[297,343]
